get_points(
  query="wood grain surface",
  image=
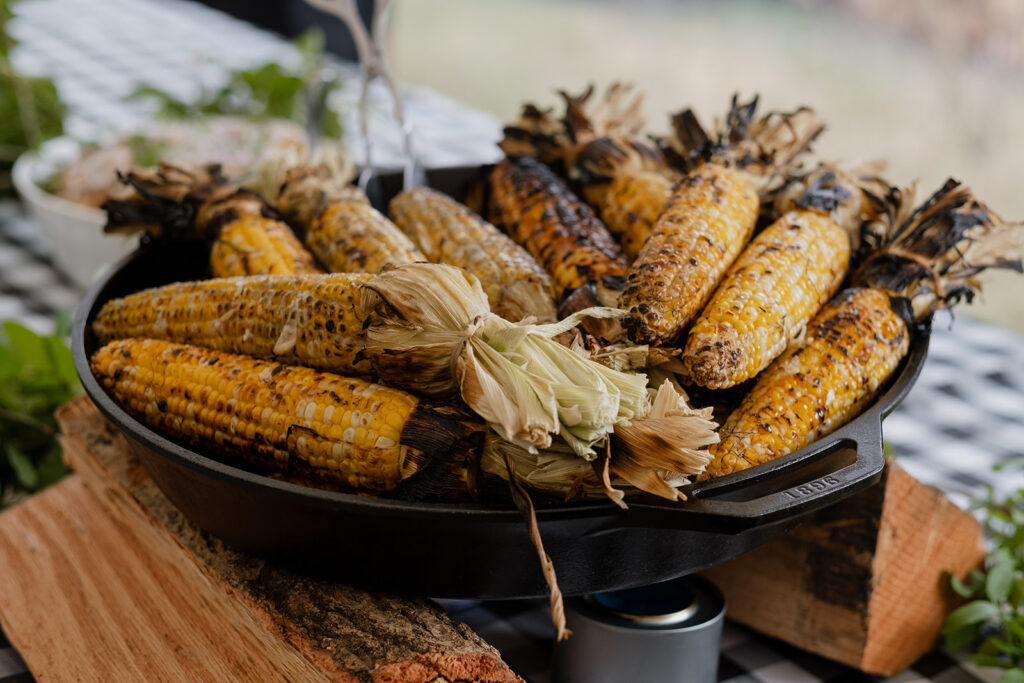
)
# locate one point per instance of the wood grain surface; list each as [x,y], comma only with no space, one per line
[864,582]
[101,578]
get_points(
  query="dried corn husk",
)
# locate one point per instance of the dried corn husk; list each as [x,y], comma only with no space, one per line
[656,455]
[430,330]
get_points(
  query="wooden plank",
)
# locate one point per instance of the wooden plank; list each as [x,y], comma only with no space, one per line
[85,596]
[144,588]
[923,538]
[864,582]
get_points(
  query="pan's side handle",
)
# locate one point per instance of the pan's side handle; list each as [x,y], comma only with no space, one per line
[786,488]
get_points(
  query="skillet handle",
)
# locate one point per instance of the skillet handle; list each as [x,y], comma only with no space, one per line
[780,490]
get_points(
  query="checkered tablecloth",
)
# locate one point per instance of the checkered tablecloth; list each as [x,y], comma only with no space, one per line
[965,413]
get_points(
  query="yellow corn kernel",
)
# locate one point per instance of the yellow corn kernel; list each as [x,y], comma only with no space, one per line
[632,204]
[783,277]
[448,232]
[700,232]
[302,319]
[223,427]
[255,245]
[822,380]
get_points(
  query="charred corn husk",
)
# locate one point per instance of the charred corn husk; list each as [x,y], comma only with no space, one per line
[309,320]
[929,260]
[186,202]
[854,195]
[775,287]
[340,227]
[558,471]
[558,141]
[562,233]
[287,418]
[709,217]
[448,232]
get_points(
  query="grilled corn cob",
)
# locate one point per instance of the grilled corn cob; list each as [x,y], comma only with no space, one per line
[345,233]
[632,205]
[709,216]
[705,225]
[186,202]
[562,233]
[294,419]
[818,384]
[448,232]
[626,179]
[776,286]
[858,339]
[309,320]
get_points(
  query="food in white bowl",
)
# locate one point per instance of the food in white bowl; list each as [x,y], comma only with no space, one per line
[65,182]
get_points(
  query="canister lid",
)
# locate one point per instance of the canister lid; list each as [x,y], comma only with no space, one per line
[684,603]
[661,604]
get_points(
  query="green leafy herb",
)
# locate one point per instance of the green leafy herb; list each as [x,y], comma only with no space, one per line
[146,151]
[36,376]
[991,625]
[265,91]
[30,109]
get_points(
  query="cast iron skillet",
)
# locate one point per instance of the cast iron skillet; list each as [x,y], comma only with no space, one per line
[479,550]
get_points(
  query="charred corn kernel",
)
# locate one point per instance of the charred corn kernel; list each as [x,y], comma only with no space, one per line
[340,227]
[540,212]
[256,245]
[353,237]
[700,232]
[822,380]
[308,320]
[448,232]
[233,418]
[632,204]
[775,287]
[188,202]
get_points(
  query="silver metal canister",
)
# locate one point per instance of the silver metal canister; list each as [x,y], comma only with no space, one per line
[663,633]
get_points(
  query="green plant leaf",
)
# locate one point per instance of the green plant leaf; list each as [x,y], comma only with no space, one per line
[310,43]
[28,347]
[972,613]
[1012,676]
[961,639]
[63,366]
[990,660]
[23,468]
[960,587]
[268,90]
[1000,580]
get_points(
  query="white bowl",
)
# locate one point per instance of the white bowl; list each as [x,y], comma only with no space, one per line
[74,231]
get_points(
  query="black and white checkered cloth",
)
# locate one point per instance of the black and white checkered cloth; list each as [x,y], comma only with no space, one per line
[965,413]
[522,632]
[31,289]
